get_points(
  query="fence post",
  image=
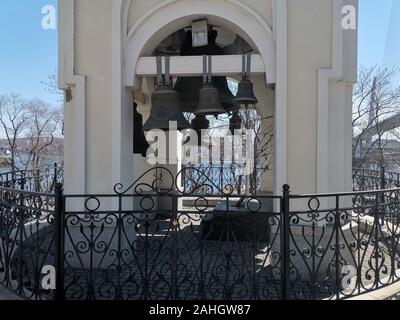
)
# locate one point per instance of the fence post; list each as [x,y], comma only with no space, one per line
[383,187]
[23,178]
[363,180]
[55,173]
[59,219]
[12,179]
[285,254]
[383,178]
[175,225]
[22,219]
[398,180]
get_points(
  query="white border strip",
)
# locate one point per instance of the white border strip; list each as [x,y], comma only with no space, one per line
[75,142]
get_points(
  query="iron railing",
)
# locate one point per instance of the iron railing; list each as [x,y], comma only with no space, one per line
[367,179]
[41,179]
[223,175]
[27,235]
[152,243]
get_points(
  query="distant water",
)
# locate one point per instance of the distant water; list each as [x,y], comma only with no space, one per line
[21,166]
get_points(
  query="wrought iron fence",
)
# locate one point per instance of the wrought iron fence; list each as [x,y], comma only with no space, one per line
[187,253]
[27,236]
[343,245]
[233,176]
[41,179]
[144,242]
[366,179]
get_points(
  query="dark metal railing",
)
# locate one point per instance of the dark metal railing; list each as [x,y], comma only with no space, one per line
[27,237]
[347,244]
[367,179]
[41,179]
[223,175]
[148,243]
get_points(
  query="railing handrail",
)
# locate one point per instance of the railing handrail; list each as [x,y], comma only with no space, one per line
[47,167]
[355,170]
[33,193]
[344,194]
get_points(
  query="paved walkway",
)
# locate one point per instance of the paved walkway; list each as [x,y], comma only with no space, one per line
[7,295]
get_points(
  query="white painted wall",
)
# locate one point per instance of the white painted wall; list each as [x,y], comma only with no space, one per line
[309,48]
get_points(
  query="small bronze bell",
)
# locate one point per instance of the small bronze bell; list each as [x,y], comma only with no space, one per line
[140,144]
[209,102]
[189,87]
[245,95]
[165,104]
[189,93]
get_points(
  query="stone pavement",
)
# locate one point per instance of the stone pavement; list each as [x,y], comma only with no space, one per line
[7,295]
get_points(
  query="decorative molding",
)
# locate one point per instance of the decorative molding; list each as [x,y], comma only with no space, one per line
[75,140]
[281,108]
[166,3]
[341,70]
[117,86]
[193,66]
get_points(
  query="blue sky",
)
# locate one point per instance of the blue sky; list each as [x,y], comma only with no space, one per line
[379,32]
[28,53]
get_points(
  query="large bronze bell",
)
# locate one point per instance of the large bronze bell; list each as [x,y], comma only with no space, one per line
[188,90]
[165,104]
[209,102]
[245,95]
[140,144]
[235,122]
[189,87]
[165,108]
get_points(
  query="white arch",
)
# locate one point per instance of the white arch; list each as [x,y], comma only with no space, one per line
[172,15]
[127,48]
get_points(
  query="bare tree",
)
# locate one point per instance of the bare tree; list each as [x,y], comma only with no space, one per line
[263,144]
[14,118]
[222,173]
[51,85]
[43,127]
[376,114]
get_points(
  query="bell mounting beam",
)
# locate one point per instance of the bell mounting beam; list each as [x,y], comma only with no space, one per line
[246,66]
[189,66]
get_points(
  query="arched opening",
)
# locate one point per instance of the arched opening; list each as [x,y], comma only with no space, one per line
[167,19]
[223,173]
[144,39]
